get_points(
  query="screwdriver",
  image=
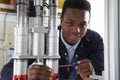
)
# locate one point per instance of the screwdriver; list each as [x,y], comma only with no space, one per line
[73,65]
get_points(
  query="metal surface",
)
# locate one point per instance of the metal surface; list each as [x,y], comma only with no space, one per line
[21,40]
[30,43]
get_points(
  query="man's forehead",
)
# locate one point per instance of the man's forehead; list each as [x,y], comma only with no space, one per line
[72,13]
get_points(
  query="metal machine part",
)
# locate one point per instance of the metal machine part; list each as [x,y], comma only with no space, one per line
[21,40]
[30,42]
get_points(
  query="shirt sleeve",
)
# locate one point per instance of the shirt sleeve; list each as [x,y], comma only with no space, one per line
[7,71]
[97,53]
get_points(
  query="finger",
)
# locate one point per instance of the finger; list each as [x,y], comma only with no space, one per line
[83,61]
[86,71]
[37,72]
[84,66]
[41,67]
[85,77]
[39,76]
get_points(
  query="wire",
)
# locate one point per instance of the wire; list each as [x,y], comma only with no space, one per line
[5,25]
[9,11]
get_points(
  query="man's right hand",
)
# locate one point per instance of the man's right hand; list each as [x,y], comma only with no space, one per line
[39,72]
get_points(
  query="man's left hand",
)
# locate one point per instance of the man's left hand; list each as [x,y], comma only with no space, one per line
[84,68]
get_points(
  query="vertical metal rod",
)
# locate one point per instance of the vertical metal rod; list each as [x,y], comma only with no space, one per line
[39,38]
[53,14]
[21,40]
[53,36]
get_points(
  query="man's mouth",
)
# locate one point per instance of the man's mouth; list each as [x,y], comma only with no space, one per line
[74,37]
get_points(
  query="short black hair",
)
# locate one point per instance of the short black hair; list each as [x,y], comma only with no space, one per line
[78,4]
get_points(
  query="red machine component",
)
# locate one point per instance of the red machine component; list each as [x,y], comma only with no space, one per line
[20,77]
[55,77]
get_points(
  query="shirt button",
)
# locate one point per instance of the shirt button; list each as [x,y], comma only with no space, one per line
[76,56]
[65,53]
[82,45]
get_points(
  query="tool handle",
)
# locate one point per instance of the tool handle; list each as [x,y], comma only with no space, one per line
[74,64]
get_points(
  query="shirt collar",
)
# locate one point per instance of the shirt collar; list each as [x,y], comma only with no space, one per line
[67,45]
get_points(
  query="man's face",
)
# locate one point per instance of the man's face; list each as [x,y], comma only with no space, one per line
[74,25]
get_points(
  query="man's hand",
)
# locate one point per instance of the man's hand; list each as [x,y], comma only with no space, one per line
[84,68]
[39,72]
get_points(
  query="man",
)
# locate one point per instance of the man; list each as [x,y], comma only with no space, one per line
[76,44]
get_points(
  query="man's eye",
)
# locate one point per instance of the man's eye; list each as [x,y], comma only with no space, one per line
[69,23]
[82,25]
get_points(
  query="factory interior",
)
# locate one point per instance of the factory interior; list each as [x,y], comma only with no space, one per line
[105,19]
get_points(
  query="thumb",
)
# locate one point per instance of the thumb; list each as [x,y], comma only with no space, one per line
[84,76]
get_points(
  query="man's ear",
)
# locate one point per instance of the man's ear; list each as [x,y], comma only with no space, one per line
[61,20]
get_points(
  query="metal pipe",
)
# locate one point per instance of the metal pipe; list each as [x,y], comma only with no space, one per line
[53,14]
[53,37]
[39,38]
[21,40]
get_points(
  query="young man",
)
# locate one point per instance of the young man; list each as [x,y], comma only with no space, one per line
[76,44]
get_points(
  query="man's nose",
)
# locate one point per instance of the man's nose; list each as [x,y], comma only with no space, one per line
[76,29]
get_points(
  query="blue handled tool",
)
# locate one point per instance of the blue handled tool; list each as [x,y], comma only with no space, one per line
[73,65]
